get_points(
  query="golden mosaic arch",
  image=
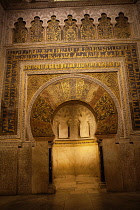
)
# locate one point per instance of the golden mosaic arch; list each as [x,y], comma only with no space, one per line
[79,89]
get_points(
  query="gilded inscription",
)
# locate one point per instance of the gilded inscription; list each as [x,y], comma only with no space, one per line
[66,66]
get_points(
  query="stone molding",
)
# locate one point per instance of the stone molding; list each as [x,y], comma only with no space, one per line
[56,3]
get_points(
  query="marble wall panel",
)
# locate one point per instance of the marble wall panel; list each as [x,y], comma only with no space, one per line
[128,167]
[137,159]
[8,171]
[2,18]
[113,174]
[137,162]
[24,169]
[40,168]
[75,160]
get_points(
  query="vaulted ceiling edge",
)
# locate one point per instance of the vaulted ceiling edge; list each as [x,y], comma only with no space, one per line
[37,4]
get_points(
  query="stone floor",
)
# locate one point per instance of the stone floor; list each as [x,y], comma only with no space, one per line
[76,184]
[73,193]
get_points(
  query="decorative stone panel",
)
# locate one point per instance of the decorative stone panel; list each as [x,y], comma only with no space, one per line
[105,28]
[112,167]
[127,157]
[20,31]
[87,28]
[70,29]
[122,27]
[25,169]
[53,30]
[8,170]
[36,30]
[95,12]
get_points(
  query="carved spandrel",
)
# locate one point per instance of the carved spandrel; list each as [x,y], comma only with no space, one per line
[53,29]
[36,30]
[87,28]
[20,31]
[122,27]
[70,29]
[105,28]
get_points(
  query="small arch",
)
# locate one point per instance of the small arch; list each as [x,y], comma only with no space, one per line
[74,120]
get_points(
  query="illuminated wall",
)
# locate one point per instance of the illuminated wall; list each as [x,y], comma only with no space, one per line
[56,55]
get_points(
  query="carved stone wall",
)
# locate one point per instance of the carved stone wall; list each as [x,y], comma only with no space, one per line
[25,169]
[112,167]
[40,167]
[137,158]
[41,67]
[13,86]
[128,166]
[121,165]
[70,31]
[2,27]
[78,14]
[8,170]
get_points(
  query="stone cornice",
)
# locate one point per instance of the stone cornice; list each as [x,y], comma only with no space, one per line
[56,4]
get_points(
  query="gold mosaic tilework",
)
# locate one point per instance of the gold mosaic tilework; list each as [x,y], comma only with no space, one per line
[14,57]
[35,81]
[73,89]
[108,78]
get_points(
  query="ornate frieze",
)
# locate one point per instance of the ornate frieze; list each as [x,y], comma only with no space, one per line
[70,31]
[66,66]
